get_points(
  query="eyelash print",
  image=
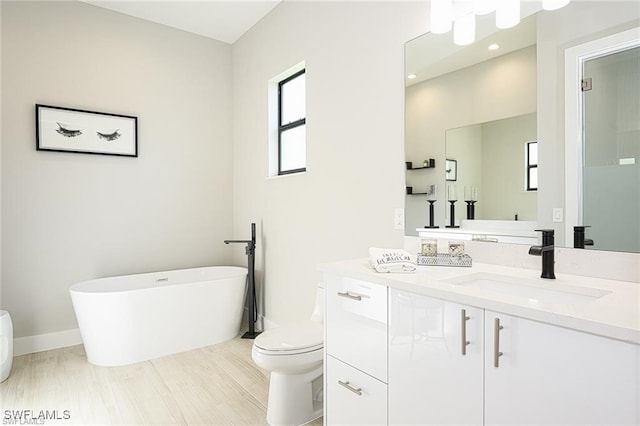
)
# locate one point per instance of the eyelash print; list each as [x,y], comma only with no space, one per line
[109,136]
[67,133]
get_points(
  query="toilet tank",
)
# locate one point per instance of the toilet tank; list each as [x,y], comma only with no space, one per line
[318,308]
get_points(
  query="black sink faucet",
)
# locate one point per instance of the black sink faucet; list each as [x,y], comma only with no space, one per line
[546,250]
[579,241]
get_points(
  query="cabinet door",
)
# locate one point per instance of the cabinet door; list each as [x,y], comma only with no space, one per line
[356,324]
[353,397]
[549,375]
[434,378]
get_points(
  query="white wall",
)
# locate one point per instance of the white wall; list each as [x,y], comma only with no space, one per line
[1,304]
[504,168]
[495,89]
[343,204]
[72,217]
[465,146]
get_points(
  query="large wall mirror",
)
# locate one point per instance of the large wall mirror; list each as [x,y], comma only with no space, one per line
[498,116]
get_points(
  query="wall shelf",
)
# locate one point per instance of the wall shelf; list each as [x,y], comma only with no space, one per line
[431,165]
[409,191]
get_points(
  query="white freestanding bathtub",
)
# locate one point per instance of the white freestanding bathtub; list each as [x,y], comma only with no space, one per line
[135,318]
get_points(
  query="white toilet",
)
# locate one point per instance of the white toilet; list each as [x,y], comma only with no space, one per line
[294,356]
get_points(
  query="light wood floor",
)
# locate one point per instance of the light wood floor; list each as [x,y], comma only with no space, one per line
[215,385]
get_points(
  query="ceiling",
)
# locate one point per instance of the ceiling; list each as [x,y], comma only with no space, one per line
[220,20]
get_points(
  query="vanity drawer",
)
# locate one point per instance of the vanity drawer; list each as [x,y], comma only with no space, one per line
[353,397]
[356,324]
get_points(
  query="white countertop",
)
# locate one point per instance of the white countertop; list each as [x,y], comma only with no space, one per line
[615,315]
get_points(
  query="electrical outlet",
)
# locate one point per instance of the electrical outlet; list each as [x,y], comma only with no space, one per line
[398,218]
[557,214]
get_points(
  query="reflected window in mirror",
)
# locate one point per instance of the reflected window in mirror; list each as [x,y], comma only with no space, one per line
[532,166]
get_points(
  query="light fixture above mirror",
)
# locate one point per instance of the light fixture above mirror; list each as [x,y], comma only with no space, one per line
[461,15]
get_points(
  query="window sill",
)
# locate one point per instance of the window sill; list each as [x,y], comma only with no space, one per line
[286,175]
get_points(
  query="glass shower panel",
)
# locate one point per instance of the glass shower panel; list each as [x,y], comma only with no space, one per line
[611,150]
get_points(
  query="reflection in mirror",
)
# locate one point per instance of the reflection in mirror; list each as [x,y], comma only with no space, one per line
[611,144]
[492,86]
[459,86]
[491,157]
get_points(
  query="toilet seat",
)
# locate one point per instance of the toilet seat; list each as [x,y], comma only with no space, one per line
[304,337]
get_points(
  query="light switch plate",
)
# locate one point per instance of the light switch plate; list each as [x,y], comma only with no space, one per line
[557,214]
[398,218]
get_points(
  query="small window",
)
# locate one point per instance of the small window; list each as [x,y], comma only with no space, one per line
[292,131]
[532,166]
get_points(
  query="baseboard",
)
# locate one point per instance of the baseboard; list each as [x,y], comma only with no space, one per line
[46,342]
[261,324]
[266,323]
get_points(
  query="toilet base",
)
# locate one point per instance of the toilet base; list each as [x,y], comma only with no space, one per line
[295,399]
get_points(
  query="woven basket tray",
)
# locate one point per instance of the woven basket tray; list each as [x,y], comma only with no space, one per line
[442,259]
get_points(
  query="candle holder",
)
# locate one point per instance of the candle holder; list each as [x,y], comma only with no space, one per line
[471,197]
[431,215]
[452,195]
[452,215]
[431,198]
[471,213]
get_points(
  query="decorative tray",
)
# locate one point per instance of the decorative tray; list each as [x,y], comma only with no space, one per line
[443,259]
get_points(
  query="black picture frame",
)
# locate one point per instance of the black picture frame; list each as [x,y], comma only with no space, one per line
[451,170]
[61,129]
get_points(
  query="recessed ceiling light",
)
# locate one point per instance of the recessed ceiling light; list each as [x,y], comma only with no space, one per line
[411,76]
[494,46]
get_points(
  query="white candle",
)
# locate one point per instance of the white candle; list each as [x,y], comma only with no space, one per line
[452,193]
[432,192]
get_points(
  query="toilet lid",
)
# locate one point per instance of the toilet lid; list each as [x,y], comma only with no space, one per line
[308,335]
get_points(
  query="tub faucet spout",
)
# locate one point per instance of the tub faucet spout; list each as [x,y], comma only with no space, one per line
[249,249]
[546,250]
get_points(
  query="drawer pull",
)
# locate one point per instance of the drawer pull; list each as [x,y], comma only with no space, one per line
[357,391]
[496,342]
[350,296]
[464,318]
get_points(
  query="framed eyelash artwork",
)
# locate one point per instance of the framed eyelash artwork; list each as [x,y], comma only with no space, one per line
[86,132]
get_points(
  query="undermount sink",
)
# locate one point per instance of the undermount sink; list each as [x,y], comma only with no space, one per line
[532,291]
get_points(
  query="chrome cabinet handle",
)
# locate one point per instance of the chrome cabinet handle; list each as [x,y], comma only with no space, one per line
[463,324]
[350,296]
[357,391]
[496,342]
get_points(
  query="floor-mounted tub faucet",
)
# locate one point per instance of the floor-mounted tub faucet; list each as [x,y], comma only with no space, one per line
[250,251]
[546,250]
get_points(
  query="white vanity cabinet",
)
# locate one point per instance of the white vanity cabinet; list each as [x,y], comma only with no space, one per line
[353,397]
[435,361]
[356,349]
[549,375]
[513,371]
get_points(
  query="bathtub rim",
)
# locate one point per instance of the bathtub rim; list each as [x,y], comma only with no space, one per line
[78,288]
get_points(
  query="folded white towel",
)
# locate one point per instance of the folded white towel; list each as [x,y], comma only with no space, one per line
[391,260]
